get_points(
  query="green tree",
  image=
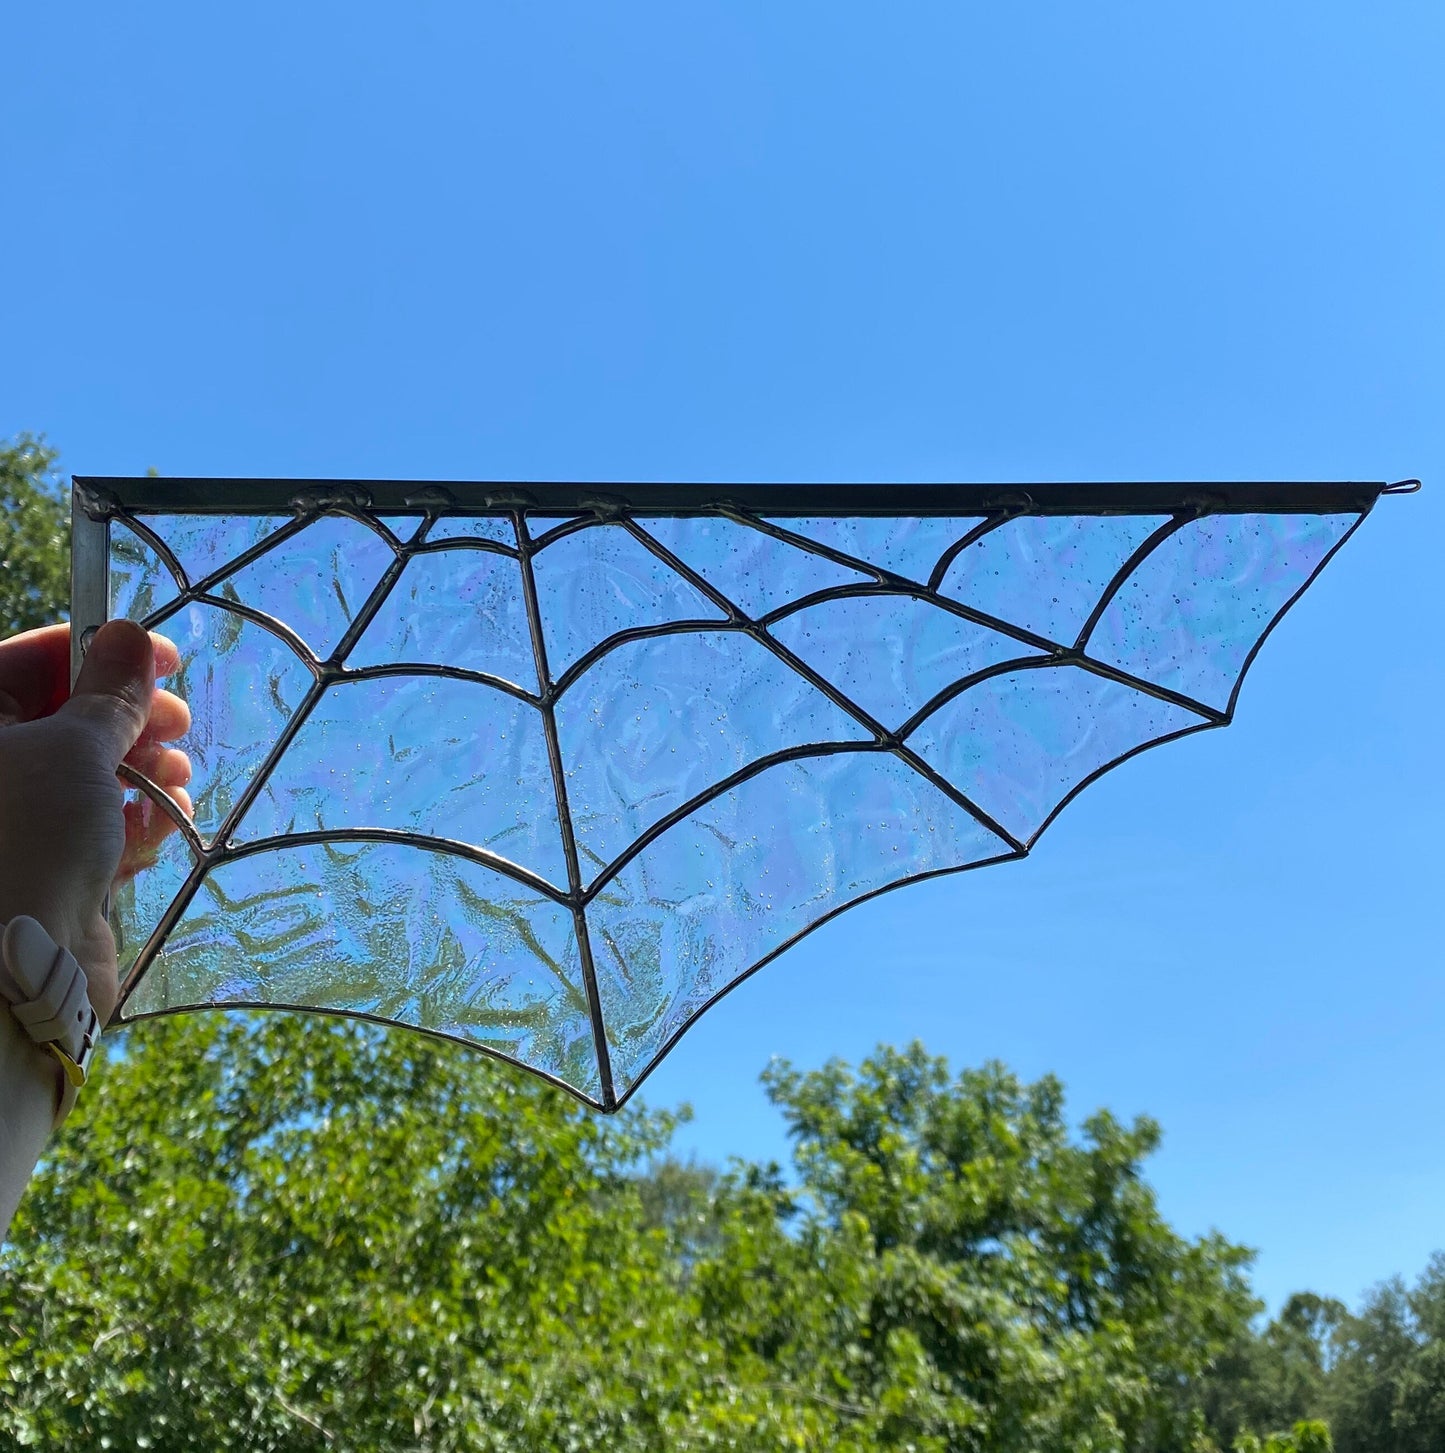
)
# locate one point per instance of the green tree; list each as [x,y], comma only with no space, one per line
[259,1228]
[1309,1436]
[1386,1393]
[1278,1377]
[270,1232]
[34,537]
[955,1271]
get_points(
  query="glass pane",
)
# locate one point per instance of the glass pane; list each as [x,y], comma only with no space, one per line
[543,528]
[140,582]
[206,544]
[755,570]
[734,882]
[1046,573]
[474,527]
[891,653]
[598,581]
[404,527]
[1018,744]
[453,759]
[242,683]
[463,608]
[1191,613]
[908,547]
[657,721]
[314,581]
[138,906]
[422,938]
[675,702]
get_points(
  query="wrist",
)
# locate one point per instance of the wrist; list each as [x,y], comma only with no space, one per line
[93,947]
[36,1065]
[48,997]
[18,901]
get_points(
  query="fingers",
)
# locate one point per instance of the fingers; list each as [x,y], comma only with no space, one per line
[34,673]
[167,654]
[147,823]
[147,826]
[170,718]
[113,692]
[125,717]
[165,766]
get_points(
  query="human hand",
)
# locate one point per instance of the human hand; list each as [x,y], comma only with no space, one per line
[67,836]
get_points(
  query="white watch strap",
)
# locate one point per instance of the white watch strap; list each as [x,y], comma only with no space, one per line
[50,999]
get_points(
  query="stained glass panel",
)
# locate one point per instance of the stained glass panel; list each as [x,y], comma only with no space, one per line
[206,546]
[1019,743]
[243,684]
[425,755]
[753,569]
[595,583]
[1046,572]
[659,721]
[551,779]
[1242,571]
[910,547]
[892,655]
[391,932]
[475,527]
[314,580]
[462,608]
[140,583]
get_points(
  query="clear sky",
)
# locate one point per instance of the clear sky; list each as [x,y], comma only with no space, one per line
[932,241]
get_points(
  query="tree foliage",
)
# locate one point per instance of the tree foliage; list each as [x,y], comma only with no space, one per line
[1279,1376]
[34,537]
[275,1231]
[1386,1391]
[256,1228]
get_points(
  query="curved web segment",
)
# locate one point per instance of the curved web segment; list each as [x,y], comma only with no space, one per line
[551,788]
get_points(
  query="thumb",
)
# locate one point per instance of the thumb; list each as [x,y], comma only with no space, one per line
[113,690]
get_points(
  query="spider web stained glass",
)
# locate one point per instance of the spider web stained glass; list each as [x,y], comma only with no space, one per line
[549,782]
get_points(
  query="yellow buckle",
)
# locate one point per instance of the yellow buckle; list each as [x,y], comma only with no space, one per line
[77,1071]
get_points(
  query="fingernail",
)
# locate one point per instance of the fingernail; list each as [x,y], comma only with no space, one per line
[123,642]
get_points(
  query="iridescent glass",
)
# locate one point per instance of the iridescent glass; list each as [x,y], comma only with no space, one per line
[550,777]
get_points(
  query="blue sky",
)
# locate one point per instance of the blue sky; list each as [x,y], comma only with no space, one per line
[807,241]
